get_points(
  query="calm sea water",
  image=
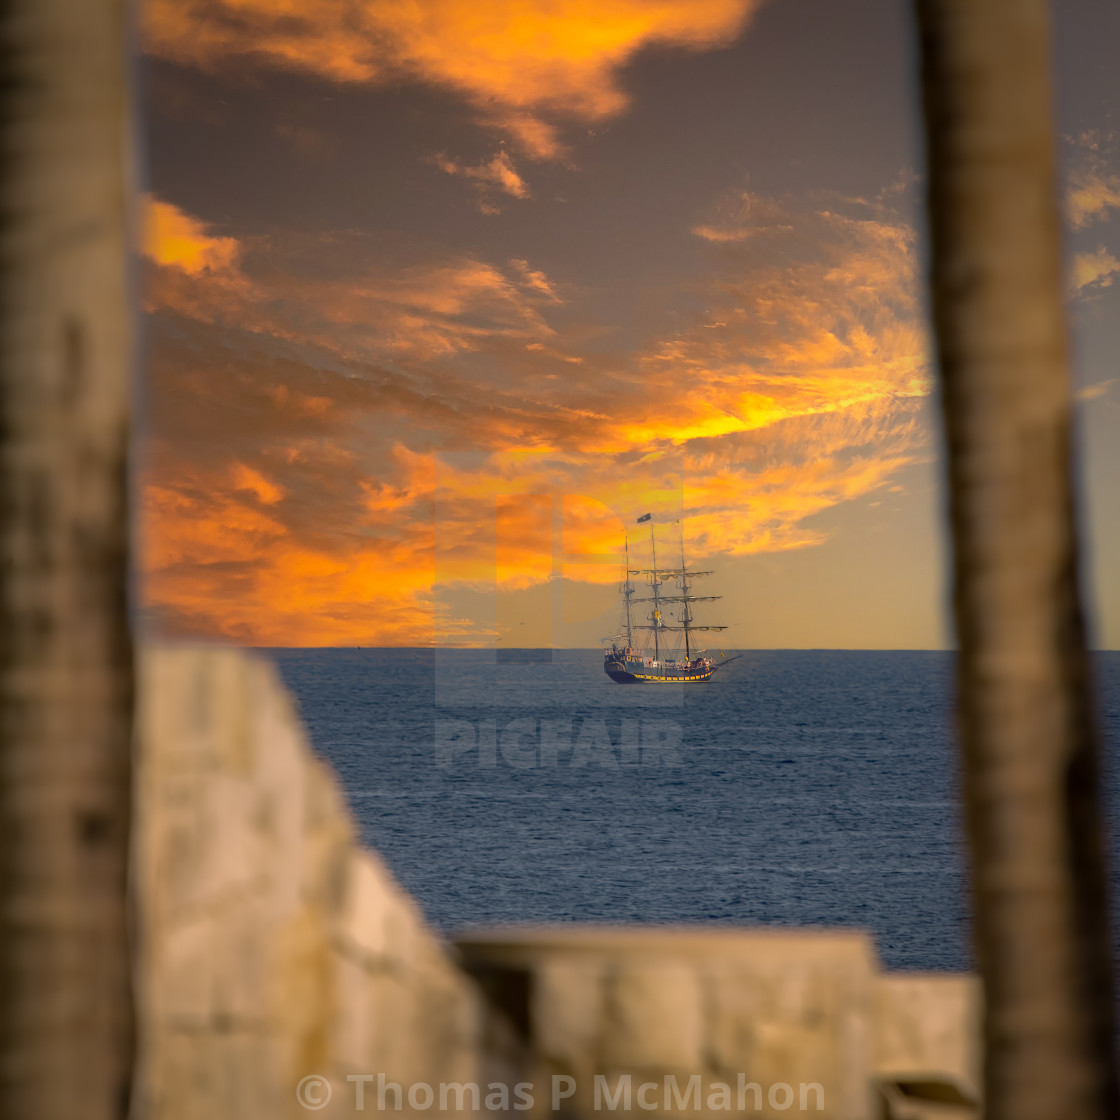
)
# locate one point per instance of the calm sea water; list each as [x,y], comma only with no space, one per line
[797,788]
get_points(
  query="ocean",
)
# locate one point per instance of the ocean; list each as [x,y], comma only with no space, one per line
[797,788]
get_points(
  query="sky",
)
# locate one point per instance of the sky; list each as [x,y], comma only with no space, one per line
[440,297]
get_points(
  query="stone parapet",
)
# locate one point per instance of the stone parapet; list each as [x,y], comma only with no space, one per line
[927,1054]
[272,949]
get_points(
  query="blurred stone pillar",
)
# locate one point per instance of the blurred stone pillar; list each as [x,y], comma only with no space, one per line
[66,358]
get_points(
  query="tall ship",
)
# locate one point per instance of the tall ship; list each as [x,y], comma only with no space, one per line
[664,647]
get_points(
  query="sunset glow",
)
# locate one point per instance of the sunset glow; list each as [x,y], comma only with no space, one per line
[408,344]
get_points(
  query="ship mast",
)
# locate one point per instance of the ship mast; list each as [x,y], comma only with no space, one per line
[659,599]
[686,616]
[629,592]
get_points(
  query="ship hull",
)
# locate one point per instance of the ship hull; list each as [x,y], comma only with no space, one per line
[621,676]
[638,672]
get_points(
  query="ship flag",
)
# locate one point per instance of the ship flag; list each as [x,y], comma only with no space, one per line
[645,517]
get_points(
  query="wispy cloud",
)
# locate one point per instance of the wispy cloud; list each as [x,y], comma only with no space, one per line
[1094,270]
[1095,391]
[523,64]
[495,174]
[177,240]
[741,214]
[336,292]
[333,436]
[1092,195]
[1094,184]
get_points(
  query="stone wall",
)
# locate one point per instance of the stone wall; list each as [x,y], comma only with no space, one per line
[271,947]
[272,950]
[772,1021]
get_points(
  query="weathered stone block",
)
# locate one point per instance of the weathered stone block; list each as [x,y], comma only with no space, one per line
[794,1007]
[653,1016]
[567,1010]
[778,1007]
[927,1031]
[363,926]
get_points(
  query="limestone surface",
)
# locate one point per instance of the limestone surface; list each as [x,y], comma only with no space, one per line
[283,971]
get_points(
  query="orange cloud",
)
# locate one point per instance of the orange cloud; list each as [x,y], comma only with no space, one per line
[248,480]
[175,239]
[740,215]
[347,440]
[1096,391]
[1092,196]
[517,61]
[216,567]
[1094,185]
[1094,270]
[497,173]
[1093,192]
[360,311]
